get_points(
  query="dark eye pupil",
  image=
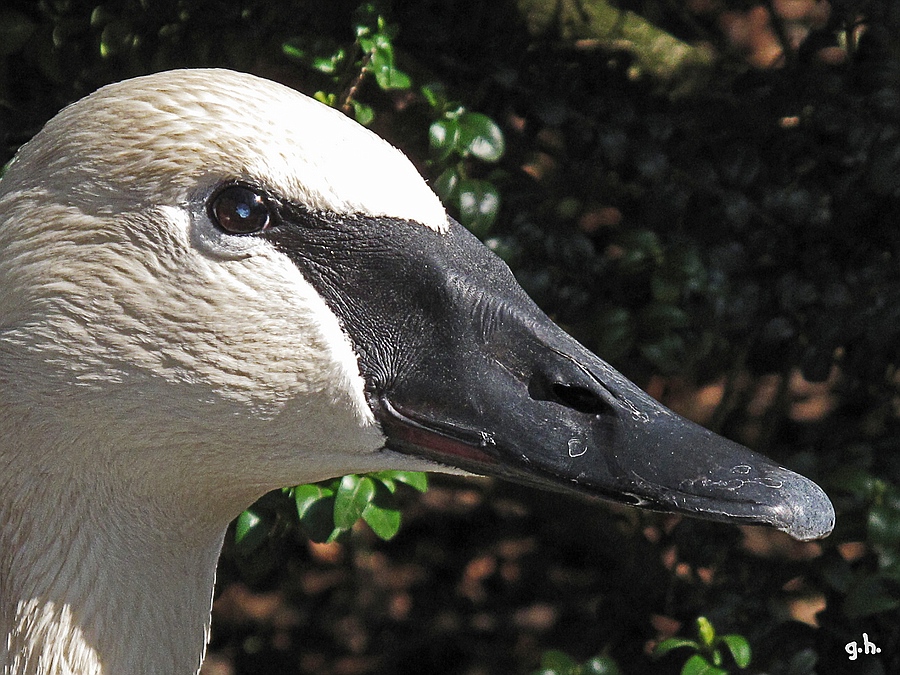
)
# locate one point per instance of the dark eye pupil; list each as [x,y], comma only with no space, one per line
[239,210]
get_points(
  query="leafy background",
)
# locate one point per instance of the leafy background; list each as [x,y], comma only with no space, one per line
[705,192]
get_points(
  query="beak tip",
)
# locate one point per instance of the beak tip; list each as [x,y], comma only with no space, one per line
[806,512]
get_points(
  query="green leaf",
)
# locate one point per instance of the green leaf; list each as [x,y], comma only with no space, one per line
[665,353]
[665,287]
[363,113]
[393,78]
[884,525]
[315,508]
[600,665]
[559,662]
[479,204]
[328,99]
[250,531]
[856,481]
[293,50]
[659,318]
[669,644]
[415,479]
[436,95]
[739,648]
[838,573]
[447,184]
[352,497]
[442,136]
[705,631]
[614,331]
[803,662]
[872,595]
[328,64]
[480,137]
[245,524]
[698,665]
[307,495]
[322,54]
[15,31]
[384,522]
[115,37]
[382,65]
[642,249]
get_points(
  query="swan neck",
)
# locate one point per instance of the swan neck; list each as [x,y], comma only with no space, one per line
[91,589]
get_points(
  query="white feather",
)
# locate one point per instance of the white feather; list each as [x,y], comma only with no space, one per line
[157,375]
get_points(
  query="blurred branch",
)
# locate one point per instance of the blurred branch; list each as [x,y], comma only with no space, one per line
[596,23]
[778,28]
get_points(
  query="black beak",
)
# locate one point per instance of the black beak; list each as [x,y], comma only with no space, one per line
[574,424]
[462,368]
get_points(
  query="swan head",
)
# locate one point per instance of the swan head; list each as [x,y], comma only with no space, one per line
[208,280]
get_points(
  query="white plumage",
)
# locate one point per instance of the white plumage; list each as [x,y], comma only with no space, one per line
[156,375]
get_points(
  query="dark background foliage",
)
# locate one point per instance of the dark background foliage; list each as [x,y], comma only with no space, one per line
[706,192]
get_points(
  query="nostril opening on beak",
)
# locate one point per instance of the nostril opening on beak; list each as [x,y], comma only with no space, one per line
[563,382]
[579,398]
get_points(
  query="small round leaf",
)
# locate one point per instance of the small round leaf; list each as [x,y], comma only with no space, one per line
[479,204]
[600,665]
[698,665]
[442,136]
[558,662]
[480,137]
[739,648]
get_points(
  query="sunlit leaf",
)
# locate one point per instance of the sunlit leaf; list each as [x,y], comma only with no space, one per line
[363,113]
[705,631]
[669,644]
[351,499]
[436,94]
[327,99]
[250,531]
[480,137]
[307,495]
[447,184]
[384,522]
[600,665]
[479,204]
[698,665]
[442,136]
[115,37]
[739,648]
[558,662]
[415,479]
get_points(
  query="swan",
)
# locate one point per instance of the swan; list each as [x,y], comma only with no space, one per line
[212,286]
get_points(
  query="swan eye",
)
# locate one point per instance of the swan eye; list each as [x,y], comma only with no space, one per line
[240,210]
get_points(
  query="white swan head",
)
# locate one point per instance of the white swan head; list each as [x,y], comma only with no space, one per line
[125,308]
[231,284]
